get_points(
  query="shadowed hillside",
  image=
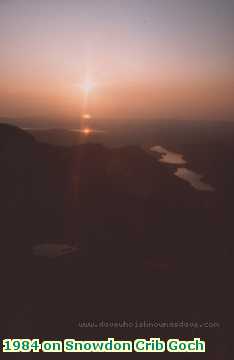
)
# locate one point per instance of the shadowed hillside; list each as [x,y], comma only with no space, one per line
[148,244]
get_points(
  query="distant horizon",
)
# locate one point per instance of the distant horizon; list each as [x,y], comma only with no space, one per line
[53,124]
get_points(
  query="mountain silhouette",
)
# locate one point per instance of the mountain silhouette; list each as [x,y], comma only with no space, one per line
[133,222]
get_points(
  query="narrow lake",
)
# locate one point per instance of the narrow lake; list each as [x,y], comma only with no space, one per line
[170,157]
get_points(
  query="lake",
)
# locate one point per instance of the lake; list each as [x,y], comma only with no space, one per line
[170,157]
[194,179]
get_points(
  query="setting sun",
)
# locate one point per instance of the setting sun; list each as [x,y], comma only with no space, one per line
[88,86]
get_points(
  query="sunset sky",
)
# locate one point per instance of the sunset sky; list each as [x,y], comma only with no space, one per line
[148,59]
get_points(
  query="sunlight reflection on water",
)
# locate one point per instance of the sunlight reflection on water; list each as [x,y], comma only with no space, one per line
[194,179]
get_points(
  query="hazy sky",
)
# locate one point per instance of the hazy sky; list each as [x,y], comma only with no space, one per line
[148,58]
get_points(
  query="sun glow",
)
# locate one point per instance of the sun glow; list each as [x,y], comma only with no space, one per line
[86,131]
[86,116]
[88,86]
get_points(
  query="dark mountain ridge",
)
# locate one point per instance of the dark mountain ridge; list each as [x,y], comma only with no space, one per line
[130,217]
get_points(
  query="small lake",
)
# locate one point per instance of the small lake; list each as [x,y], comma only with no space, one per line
[169,157]
[194,179]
